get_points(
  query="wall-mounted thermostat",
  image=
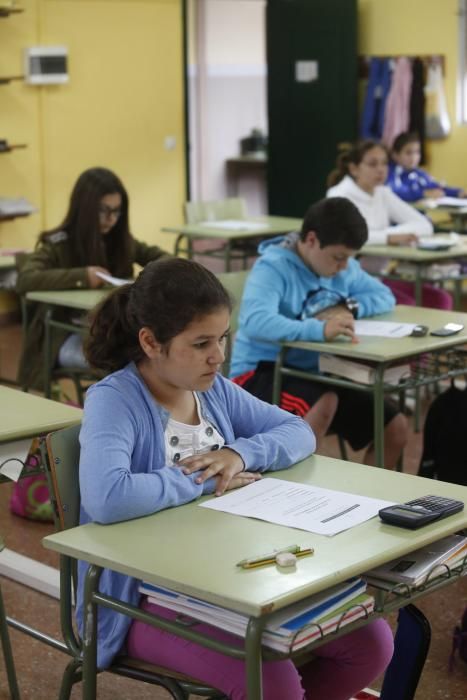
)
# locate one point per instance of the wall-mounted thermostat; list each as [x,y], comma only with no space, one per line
[46,65]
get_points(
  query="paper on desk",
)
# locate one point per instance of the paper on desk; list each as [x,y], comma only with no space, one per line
[12,458]
[446,202]
[235,225]
[115,281]
[434,242]
[384,329]
[310,508]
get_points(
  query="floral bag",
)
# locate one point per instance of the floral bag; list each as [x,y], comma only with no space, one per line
[30,496]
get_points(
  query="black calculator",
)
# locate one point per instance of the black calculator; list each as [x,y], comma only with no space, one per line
[420,511]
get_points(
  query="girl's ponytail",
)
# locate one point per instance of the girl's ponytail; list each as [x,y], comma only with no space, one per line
[113,335]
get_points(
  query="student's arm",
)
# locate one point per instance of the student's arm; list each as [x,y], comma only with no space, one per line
[453,191]
[144,253]
[405,218]
[44,269]
[372,295]
[266,437]
[112,487]
[260,315]
[409,191]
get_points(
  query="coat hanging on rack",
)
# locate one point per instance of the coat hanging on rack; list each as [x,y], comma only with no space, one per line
[397,113]
[379,83]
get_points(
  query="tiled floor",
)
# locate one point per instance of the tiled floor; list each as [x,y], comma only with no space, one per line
[39,667]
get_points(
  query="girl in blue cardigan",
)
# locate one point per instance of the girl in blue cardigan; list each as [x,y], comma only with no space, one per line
[163,428]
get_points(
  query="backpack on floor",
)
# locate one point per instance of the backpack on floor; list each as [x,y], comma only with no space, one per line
[459,641]
[444,446]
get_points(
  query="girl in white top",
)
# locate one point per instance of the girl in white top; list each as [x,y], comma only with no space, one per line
[360,174]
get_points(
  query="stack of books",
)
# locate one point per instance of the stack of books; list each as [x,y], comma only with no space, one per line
[359,371]
[422,566]
[289,629]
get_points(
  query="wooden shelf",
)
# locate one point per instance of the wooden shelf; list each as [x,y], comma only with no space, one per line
[7,11]
[8,79]
[10,217]
[13,147]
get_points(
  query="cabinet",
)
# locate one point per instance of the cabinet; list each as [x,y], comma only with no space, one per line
[312,96]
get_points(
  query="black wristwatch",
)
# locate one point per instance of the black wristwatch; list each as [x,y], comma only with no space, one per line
[352,305]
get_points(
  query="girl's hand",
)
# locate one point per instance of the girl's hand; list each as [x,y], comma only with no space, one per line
[225,464]
[402,239]
[433,193]
[238,481]
[93,280]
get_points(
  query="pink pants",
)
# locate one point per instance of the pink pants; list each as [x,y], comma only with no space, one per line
[341,668]
[432,297]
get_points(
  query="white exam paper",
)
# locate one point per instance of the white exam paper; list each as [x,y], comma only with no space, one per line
[115,281]
[235,225]
[310,508]
[12,457]
[384,329]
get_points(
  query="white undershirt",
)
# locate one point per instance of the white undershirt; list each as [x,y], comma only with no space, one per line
[182,440]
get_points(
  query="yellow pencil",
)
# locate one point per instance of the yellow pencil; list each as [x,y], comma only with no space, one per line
[267,562]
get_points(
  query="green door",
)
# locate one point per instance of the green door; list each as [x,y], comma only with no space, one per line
[312,96]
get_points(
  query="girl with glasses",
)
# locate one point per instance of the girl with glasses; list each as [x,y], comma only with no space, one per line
[94,237]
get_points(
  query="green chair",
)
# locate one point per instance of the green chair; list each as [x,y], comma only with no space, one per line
[218,210]
[6,646]
[79,376]
[62,459]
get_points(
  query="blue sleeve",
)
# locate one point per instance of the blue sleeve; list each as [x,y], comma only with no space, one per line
[260,315]
[113,486]
[266,437]
[373,296]
[452,191]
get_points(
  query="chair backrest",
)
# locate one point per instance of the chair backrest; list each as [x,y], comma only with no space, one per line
[232,208]
[62,464]
[234,282]
[411,645]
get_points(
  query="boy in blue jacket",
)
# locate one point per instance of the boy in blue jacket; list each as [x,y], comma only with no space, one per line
[308,286]
[407,180]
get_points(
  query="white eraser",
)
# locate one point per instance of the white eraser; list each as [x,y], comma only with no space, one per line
[286,559]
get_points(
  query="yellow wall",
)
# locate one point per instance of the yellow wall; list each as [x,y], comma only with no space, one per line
[124,97]
[411,27]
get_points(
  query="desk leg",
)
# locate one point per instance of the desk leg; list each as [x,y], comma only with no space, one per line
[253,665]
[227,255]
[277,382]
[90,634]
[418,285]
[7,653]
[47,360]
[378,412]
[457,294]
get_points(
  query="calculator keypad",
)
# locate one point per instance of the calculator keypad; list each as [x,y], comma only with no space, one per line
[438,504]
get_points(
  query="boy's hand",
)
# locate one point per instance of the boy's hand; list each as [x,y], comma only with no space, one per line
[332,312]
[225,464]
[340,324]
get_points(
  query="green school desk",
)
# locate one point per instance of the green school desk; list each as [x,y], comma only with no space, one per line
[7,262]
[27,416]
[382,352]
[194,551]
[79,299]
[271,226]
[421,260]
